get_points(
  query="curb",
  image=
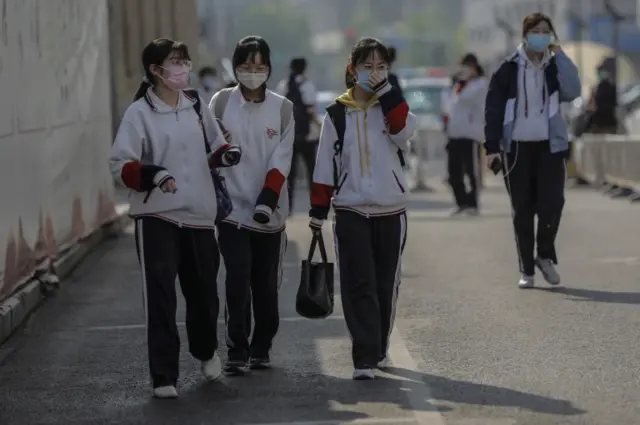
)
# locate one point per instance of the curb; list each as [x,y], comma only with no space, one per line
[16,309]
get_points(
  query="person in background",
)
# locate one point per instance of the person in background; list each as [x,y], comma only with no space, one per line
[159,154]
[208,83]
[603,104]
[252,238]
[369,198]
[525,130]
[393,78]
[301,91]
[465,130]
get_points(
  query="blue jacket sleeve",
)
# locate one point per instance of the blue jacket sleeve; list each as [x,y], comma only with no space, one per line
[568,78]
[494,108]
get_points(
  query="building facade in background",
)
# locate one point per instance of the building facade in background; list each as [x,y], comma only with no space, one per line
[133,24]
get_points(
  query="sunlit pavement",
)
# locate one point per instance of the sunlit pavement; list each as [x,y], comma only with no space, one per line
[469,347]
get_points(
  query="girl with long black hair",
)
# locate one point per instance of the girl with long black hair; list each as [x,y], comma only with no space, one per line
[359,170]
[159,153]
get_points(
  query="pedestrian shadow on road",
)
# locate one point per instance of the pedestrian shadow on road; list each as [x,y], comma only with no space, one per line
[450,390]
[262,399]
[591,295]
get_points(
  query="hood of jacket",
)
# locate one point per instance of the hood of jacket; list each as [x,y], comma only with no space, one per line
[158,105]
[348,100]
[520,57]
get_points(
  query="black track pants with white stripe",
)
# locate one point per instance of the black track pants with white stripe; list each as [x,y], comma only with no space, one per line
[253,264]
[535,182]
[166,251]
[369,251]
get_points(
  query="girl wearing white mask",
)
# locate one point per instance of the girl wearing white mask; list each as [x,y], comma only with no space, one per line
[252,238]
[359,170]
[160,153]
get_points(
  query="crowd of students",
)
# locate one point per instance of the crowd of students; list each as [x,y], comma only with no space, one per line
[184,161]
[209,181]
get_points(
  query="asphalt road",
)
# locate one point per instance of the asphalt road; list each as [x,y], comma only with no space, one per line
[469,347]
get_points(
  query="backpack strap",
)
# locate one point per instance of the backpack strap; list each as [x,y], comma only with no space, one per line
[337,113]
[221,102]
[198,107]
[286,110]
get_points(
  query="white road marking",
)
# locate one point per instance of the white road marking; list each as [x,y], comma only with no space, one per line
[420,394]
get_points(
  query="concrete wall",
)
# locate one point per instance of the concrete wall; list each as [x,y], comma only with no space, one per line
[132,24]
[54,131]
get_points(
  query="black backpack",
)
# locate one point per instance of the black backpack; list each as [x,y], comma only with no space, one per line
[337,113]
[300,112]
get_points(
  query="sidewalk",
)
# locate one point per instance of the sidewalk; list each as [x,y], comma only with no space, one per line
[84,357]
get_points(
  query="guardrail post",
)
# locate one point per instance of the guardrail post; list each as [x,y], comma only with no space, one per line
[421,150]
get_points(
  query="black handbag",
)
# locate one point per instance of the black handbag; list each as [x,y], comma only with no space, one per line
[314,299]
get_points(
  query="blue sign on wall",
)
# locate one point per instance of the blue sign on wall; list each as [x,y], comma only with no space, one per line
[601,30]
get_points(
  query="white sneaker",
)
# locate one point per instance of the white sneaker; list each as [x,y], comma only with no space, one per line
[168,391]
[548,270]
[525,282]
[212,369]
[364,374]
[383,363]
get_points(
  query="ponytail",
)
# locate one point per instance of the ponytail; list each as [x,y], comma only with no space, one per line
[348,79]
[142,90]
[292,81]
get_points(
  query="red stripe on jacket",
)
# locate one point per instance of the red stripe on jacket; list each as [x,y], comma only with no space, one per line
[131,175]
[321,194]
[397,117]
[215,160]
[274,181]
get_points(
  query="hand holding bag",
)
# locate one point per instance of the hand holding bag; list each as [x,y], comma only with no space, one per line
[314,299]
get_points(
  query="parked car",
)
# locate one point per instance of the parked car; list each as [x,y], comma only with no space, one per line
[425,97]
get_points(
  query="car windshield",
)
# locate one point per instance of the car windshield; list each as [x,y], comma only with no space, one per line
[423,100]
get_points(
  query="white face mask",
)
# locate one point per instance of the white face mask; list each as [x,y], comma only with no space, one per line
[383,74]
[251,80]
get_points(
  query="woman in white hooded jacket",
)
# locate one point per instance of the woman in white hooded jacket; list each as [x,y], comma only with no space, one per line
[465,129]
[160,154]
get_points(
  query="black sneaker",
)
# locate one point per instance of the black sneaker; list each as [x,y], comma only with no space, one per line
[235,368]
[260,363]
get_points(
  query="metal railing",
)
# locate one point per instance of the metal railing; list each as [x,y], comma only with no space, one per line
[610,161]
